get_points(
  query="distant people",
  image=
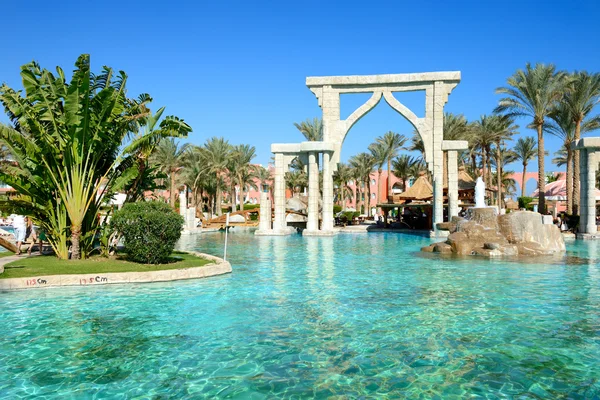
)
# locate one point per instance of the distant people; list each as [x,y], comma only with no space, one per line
[19,224]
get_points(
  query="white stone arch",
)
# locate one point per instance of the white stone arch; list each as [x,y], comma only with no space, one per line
[437,87]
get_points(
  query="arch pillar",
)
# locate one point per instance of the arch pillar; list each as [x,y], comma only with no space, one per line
[452,147]
[589,154]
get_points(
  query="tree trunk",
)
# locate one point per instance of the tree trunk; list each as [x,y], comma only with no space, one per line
[523,180]
[233,198]
[389,179]
[499,172]
[368,196]
[483,165]
[75,236]
[218,201]
[241,196]
[541,175]
[379,171]
[576,162]
[474,163]
[173,191]
[569,181]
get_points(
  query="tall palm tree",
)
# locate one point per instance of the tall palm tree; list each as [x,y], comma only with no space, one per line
[363,164]
[296,181]
[379,158]
[391,142]
[503,157]
[582,95]
[533,92]
[240,168]
[486,133]
[404,168]
[563,126]
[525,150]
[217,153]
[168,158]
[341,177]
[505,129]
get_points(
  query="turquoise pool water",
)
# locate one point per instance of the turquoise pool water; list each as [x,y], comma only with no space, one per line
[352,316]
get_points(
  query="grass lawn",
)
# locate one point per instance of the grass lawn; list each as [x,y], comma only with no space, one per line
[50,265]
[6,253]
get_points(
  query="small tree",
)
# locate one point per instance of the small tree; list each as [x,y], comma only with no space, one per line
[150,230]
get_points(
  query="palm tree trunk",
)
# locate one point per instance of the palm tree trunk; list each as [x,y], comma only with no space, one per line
[541,175]
[499,172]
[173,192]
[389,178]
[483,165]
[233,198]
[523,180]
[474,163]
[576,163]
[218,210]
[75,236]
[379,171]
[569,181]
[368,196]
[241,195]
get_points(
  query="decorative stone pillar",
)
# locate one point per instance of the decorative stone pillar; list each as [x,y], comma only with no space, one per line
[191,218]
[279,193]
[583,195]
[590,192]
[312,223]
[183,206]
[327,193]
[439,94]
[264,224]
[452,185]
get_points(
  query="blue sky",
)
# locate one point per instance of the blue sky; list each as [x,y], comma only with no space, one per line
[238,69]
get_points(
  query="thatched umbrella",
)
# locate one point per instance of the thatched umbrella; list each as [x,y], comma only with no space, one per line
[420,190]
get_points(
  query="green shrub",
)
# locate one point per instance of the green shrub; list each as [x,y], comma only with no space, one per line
[150,230]
[524,202]
[251,206]
[337,209]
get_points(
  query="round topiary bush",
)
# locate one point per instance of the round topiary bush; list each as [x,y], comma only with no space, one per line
[150,230]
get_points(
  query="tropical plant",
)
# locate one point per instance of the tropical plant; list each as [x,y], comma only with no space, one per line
[341,177]
[312,130]
[65,142]
[217,152]
[525,151]
[391,142]
[363,164]
[533,92]
[296,181]
[581,96]
[378,151]
[404,168]
[168,158]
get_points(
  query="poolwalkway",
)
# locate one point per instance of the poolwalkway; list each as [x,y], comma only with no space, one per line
[219,267]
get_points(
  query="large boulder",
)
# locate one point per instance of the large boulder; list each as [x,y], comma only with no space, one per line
[295,204]
[490,235]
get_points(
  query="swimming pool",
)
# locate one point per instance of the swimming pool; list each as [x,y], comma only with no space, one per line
[352,315]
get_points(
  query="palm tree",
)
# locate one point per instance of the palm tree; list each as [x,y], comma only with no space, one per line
[379,158]
[533,92]
[505,129]
[486,133]
[217,155]
[240,167]
[503,157]
[312,130]
[525,150]
[391,142]
[582,95]
[168,158]
[341,178]
[563,126]
[404,168]
[295,181]
[363,164]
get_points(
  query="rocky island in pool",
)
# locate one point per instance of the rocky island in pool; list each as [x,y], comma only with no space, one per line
[487,234]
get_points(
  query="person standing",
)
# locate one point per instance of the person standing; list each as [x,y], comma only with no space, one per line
[20,226]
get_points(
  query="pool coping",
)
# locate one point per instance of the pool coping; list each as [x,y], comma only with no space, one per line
[220,267]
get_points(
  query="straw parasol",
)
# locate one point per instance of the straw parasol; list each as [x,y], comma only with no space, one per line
[420,190]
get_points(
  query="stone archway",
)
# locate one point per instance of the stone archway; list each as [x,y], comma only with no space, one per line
[437,87]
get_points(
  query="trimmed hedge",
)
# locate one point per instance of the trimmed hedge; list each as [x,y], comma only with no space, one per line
[150,230]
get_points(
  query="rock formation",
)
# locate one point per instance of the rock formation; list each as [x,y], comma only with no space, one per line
[486,234]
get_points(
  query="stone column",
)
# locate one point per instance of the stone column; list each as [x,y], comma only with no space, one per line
[327,193]
[191,218]
[590,192]
[264,224]
[279,193]
[583,160]
[182,203]
[439,92]
[312,223]
[452,185]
